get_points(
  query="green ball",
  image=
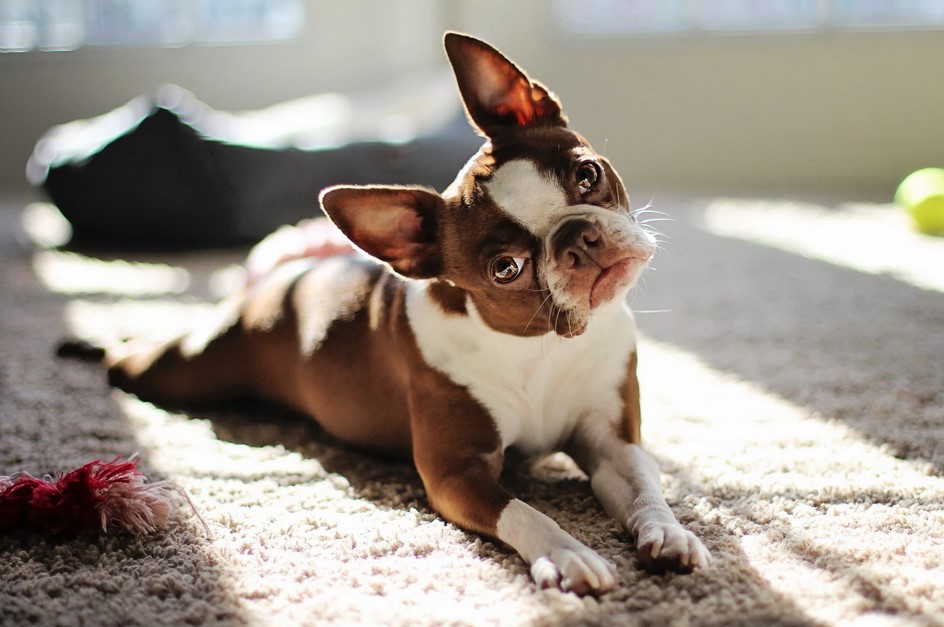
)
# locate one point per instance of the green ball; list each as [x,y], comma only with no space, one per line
[921,194]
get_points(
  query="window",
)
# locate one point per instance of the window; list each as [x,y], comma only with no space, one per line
[642,17]
[748,15]
[891,13]
[68,24]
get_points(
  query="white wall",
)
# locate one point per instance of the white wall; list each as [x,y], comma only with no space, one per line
[846,113]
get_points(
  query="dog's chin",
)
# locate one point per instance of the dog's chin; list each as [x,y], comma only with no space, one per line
[572,328]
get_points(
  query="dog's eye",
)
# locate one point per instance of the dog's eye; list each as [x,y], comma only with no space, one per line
[587,175]
[506,268]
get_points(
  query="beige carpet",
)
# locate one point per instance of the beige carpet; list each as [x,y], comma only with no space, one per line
[794,397]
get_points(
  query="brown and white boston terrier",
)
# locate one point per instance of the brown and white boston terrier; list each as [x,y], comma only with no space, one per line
[486,317]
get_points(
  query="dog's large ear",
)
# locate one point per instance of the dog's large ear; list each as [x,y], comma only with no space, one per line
[394,224]
[497,94]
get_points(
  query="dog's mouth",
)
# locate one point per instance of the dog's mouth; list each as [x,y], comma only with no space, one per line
[612,279]
[609,284]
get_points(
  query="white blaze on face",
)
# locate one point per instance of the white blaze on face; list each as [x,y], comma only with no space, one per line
[530,198]
[538,203]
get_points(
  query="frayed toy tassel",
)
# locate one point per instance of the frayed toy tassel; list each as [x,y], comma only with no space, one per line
[99,495]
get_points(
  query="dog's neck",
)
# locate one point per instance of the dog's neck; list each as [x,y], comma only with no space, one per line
[534,387]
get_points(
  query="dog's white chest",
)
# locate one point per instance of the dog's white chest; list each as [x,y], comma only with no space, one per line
[534,388]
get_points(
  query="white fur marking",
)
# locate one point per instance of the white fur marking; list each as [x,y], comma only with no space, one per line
[530,198]
[556,558]
[346,286]
[626,481]
[535,388]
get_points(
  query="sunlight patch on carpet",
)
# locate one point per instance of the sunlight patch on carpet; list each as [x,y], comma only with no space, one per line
[826,516]
[158,319]
[875,239]
[297,536]
[71,273]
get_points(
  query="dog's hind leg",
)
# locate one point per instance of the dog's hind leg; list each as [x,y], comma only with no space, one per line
[205,365]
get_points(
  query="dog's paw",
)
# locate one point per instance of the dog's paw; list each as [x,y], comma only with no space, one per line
[670,547]
[578,569]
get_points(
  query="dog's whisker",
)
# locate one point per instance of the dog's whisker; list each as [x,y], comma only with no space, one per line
[536,312]
[619,200]
[651,220]
[647,210]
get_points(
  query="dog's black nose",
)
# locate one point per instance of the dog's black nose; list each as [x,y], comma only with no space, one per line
[577,243]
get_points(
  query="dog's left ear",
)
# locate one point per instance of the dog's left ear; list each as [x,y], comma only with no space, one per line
[497,94]
[394,224]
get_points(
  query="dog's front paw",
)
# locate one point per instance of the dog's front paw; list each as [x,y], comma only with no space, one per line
[669,546]
[577,569]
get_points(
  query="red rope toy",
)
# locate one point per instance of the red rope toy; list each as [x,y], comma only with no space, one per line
[100,495]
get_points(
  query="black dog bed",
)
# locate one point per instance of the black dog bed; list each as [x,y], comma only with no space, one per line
[168,172]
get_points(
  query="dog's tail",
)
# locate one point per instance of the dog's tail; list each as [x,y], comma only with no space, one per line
[83,350]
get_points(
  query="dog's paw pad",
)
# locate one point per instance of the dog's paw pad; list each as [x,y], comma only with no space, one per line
[671,547]
[581,571]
